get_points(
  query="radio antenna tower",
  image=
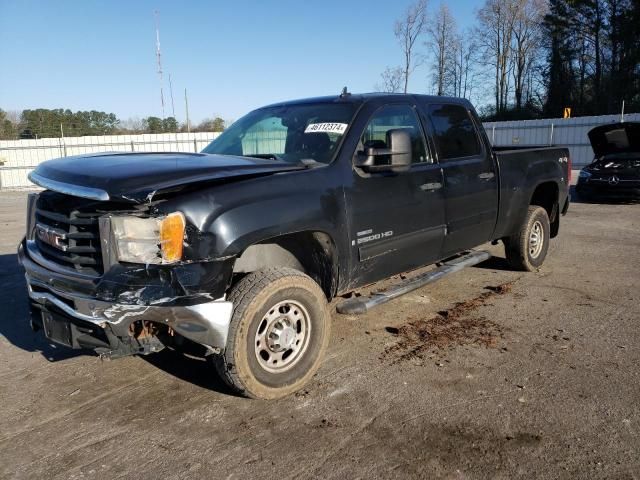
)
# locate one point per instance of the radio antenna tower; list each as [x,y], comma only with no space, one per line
[159,59]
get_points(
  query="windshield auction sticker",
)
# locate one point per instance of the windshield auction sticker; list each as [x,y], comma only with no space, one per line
[326,128]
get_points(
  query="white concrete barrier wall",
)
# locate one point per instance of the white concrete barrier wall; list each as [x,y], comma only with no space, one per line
[19,157]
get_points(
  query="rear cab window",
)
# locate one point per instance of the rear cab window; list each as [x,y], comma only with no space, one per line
[454,132]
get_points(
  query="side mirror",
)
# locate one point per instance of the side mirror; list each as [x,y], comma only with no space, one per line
[398,154]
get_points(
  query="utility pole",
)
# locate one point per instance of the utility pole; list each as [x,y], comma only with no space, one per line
[173,108]
[64,145]
[159,59]
[186,107]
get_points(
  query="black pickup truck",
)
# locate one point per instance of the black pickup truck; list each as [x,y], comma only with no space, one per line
[238,250]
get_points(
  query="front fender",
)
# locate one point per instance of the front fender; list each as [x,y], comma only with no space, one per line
[230,217]
[238,228]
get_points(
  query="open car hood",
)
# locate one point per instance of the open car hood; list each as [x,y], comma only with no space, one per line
[138,177]
[621,137]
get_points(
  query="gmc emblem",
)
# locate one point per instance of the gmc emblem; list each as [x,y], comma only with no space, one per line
[51,236]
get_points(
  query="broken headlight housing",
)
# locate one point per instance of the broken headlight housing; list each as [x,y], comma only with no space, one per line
[149,240]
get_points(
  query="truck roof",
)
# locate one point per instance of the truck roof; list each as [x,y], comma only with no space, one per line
[361,98]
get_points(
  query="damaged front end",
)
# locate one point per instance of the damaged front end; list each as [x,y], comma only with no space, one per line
[120,278]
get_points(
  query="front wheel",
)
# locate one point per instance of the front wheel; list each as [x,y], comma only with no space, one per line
[527,249]
[278,333]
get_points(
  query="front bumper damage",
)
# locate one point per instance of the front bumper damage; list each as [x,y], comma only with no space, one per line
[80,320]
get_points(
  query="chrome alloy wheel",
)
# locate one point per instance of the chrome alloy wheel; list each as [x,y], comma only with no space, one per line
[536,239]
[282,336]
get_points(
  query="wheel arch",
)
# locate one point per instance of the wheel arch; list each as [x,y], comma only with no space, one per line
[312,252]
[546,195]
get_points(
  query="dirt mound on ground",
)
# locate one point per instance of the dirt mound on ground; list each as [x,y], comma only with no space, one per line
[449,328]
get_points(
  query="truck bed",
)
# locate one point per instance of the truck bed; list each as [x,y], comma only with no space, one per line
[521,169]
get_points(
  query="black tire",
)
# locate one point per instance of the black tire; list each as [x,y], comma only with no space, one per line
[274,303]
[522,250]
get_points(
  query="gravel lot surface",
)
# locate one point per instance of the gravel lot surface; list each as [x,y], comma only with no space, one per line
[488,374]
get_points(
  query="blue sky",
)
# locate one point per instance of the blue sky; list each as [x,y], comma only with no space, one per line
[231,56]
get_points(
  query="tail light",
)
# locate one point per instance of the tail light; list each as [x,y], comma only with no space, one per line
[569,167]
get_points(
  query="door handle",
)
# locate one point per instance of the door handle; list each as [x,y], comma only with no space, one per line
[428,187]
[486,176]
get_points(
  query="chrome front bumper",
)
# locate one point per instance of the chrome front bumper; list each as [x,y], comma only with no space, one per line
[205,323]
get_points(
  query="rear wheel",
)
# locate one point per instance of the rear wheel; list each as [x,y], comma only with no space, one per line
[527,249]
[278,333]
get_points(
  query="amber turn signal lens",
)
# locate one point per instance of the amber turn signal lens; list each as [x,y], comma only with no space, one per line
[172,237]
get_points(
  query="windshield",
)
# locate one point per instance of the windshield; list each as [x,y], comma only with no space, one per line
[291,133]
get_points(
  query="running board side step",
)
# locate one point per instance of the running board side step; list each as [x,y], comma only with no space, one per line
[360,305]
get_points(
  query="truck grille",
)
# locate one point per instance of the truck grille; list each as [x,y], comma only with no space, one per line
[67,232]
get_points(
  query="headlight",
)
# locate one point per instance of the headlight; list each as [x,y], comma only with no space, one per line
[172,237]
[584,174]
[149,240]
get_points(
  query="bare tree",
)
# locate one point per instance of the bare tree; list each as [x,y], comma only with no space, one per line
[454,67]
[442,37]
[460,71]
[133,124]
[496,28]
[407,31]
[13,116]
[392,80]
[527,43]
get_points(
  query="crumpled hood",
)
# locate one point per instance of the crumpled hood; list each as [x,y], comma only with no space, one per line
[137,177]
[621,137]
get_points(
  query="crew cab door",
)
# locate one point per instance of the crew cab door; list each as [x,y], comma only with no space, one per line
[470,176]
[397,215]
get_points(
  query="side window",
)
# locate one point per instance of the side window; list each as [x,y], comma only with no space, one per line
[453,132]
[389,118]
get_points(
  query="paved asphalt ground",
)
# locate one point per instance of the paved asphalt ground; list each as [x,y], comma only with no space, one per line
[535,377]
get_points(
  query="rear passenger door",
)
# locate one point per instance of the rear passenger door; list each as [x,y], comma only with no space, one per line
[470,177]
